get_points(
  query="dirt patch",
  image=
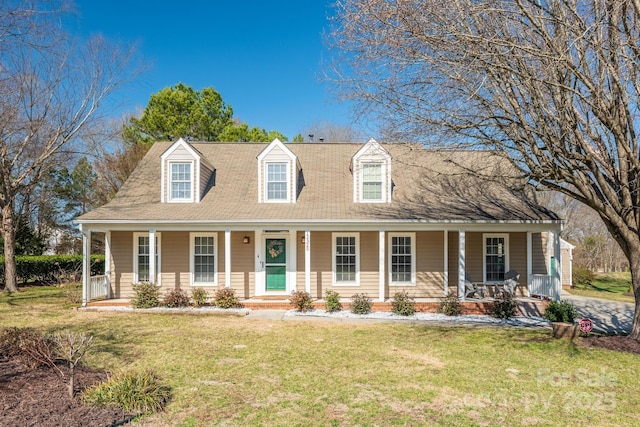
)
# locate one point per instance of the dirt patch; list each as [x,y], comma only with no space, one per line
[616,343]
[37,397]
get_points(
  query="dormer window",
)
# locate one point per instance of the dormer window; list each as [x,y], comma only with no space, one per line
[372,182]
[277,182]
[278,170]
[181,181]
[371,168]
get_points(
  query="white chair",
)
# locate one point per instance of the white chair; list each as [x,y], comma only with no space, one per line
[510,283]
[471,288]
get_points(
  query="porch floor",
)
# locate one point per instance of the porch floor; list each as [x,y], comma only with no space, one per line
[527,306]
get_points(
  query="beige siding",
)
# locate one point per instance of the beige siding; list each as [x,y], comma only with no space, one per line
[205,176]
[242,264]
[121,264]
[566,267]
[473,257]
[429,265]
[454,253]
[174,262]
[321,263]
[299,262]
[369,264]
[539,253]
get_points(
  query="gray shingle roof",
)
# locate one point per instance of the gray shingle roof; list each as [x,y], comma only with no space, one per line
[428,185]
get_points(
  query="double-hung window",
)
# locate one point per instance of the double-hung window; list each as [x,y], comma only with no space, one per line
[372,182]
[402,264]
[181,181]
[496,257]
[203,259]
[141,260]
[346,259]
[277,182]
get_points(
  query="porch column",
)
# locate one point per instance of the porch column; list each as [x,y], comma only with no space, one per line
[107,261]
[227,258]
[461,264]
[307,261]
[86,265]
[529,261]
[381,270]
[152,256]
[557,281]
[446,263]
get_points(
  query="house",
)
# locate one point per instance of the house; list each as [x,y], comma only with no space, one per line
[267,219]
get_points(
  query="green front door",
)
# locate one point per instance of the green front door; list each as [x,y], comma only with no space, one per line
[276,264]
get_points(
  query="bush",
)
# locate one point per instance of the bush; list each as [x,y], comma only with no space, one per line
[450,305]
[10,339]
[199,297]
[582,277]
[403,304]
[560,311]
[37,349]
[139,392]
[147,295]
[73,294]
[52,268]
[361,304]
[226,298]
[504,307]
[301,301]
[332,303]
[176,298]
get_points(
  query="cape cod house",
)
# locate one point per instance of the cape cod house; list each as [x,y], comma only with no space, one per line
[267,219]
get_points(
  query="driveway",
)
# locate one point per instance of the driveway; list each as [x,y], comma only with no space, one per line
[609,317]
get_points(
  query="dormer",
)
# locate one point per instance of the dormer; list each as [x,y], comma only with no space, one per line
[185,174]
[278,170]
[371,168]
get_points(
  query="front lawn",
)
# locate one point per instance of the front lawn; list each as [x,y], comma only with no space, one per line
[611,286]
[238,371]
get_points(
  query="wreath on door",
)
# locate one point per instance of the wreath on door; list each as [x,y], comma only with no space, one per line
[275,248]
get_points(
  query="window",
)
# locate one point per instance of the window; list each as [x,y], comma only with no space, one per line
[277,181]
[203,259]
[372,181]
[180,186]
[346,262]
[141,260]
[496,259]
[402,267]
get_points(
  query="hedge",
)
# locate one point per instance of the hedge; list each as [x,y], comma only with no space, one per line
[52,268]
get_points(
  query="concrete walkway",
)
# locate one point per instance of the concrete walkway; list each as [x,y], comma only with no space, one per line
[610,317]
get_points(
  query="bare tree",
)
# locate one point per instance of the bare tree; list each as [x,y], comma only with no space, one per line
[51,89]
[552,85]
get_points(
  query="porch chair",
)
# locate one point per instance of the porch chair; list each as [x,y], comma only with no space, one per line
[510,282]
[471,288]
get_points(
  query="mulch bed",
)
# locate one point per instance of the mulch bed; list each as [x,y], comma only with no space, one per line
[38,397]
[616,343]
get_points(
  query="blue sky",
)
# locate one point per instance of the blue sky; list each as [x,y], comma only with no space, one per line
[263,57]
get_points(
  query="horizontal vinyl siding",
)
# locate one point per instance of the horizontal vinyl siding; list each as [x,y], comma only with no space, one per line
[122,264]
[321,276]
[174,262]
[473,257]
[539,255]
[369,265]
[454,254]
[243,276]
[518,259]
[429,266]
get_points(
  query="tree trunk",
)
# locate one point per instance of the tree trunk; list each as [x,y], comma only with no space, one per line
[634,266]
[9,234]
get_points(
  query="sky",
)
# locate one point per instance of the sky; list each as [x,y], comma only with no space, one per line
[264,57]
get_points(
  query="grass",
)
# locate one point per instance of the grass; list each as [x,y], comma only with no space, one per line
[610,286]
[238,371]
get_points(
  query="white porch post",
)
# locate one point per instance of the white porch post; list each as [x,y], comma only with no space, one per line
[461,263]
[446,263]
[557,257]
[381,269]
[227,258]
[86,265]
[107,261]
[152,256]
[529,261]
[307,261]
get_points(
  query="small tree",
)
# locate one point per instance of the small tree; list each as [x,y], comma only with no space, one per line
[72,347]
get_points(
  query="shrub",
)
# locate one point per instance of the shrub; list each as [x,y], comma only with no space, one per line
[226,298]
[10,339]
[361,304]
[403,304]
[176,298]
[199,297]
[38,349]
[73,294]
[560,311]
[71,347]
[450,305]
[139,392]
[52,268]
[332,303]
[147,295]
[582,277]
[301,301]
[504,307]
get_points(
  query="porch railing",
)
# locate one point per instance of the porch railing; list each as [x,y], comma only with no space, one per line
[542,285]
[98,287]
